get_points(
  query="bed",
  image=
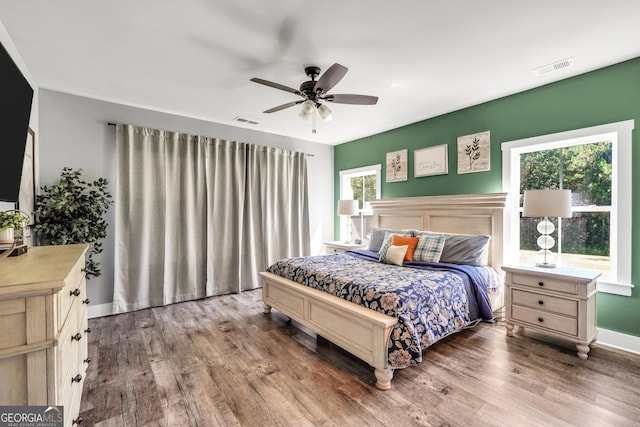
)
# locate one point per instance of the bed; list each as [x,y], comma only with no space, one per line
[372,335]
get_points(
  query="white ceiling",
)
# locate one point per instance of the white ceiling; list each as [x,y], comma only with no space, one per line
[422,58]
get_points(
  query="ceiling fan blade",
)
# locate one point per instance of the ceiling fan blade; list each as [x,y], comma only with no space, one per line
[330,78]
[351,99]
[283,106]
[276,85]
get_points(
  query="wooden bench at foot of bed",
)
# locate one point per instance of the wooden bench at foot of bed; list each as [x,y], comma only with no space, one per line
[360,331]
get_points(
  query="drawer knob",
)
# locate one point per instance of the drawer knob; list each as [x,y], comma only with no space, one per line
[540,283]
[87,301]
[75,292]
[76,379]
[88,330]
[87,360]
[539,302]
[77,420]
[540,319]
[76,337]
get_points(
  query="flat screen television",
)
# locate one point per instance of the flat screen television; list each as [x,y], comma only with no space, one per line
[16,95]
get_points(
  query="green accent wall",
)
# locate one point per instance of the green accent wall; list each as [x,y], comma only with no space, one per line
[611,94]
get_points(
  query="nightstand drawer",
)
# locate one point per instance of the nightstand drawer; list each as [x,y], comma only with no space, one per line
[544,319]
[333,250]
[545,283]
[549,303]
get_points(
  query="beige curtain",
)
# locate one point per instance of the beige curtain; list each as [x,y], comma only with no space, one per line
[198,216]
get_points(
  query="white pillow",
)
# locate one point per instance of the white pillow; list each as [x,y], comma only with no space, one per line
[395,254]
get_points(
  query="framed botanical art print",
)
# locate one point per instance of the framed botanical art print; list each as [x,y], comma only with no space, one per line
[474,153]
[431,161]
[397,166]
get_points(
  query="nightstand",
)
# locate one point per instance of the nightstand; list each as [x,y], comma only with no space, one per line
[556,301]
[340,247]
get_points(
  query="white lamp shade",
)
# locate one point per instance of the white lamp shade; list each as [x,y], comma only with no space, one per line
[325,112]
[549,203]
[348,207]
[306,110]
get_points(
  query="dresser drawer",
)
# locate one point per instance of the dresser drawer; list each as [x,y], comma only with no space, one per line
[71,291]
[549,303]
[545,283]
[67,351]
[543,319]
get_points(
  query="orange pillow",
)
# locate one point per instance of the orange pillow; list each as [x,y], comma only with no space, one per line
[412,242]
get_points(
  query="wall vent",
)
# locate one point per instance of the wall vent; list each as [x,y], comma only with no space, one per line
[565,63]
[247,121]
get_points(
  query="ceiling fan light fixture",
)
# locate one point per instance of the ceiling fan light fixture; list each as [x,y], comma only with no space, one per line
[324,112]
[306,110]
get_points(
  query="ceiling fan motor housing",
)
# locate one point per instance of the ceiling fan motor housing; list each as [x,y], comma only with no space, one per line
[308,88]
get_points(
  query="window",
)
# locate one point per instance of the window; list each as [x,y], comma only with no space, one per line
[595,163]
[361,184]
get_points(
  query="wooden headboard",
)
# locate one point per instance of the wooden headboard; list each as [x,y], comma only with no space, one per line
[481,214]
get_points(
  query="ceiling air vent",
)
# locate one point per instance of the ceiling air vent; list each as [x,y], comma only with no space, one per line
[247,121]
[565,63]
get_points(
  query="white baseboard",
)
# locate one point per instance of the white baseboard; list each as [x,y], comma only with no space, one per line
[620,341]
[99,310]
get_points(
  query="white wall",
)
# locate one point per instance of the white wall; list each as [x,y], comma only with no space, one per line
[74,133]
[33,121]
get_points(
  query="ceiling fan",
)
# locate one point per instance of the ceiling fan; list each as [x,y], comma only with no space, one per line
[314,93]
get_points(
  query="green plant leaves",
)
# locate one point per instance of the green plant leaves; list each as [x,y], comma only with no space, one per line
[72,211]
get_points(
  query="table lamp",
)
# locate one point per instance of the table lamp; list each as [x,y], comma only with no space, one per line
[348,208]
[546,203]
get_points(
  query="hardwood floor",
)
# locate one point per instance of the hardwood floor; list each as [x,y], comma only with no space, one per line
[222,362]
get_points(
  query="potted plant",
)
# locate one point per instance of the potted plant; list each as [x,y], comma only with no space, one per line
[10,221]
[72,211]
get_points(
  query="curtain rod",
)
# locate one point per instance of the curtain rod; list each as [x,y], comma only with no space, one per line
[306,154]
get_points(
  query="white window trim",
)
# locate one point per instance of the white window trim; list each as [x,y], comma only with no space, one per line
[348,173]
[620,133]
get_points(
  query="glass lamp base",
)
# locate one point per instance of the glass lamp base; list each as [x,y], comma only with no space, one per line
[545,259]
[545,265]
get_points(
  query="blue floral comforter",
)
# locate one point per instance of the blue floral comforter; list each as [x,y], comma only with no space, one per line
[430,300]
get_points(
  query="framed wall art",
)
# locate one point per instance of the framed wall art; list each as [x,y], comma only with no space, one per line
[431,161]
[474,153]
[397,166]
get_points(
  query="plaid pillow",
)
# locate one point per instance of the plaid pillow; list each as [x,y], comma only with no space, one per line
[429,248]
[386,242]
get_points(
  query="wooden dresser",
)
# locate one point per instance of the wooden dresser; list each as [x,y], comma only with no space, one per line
[43,328]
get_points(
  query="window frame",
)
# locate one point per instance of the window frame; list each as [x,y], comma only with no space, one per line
[620,134]
[352,173]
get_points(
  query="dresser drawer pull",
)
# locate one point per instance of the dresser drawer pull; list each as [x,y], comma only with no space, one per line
[75,292]
[88,330]
[87,301]
[540,283]
[76,337]
[77,420]
[87,360]
[539,302]
[540,319]
[76,379]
